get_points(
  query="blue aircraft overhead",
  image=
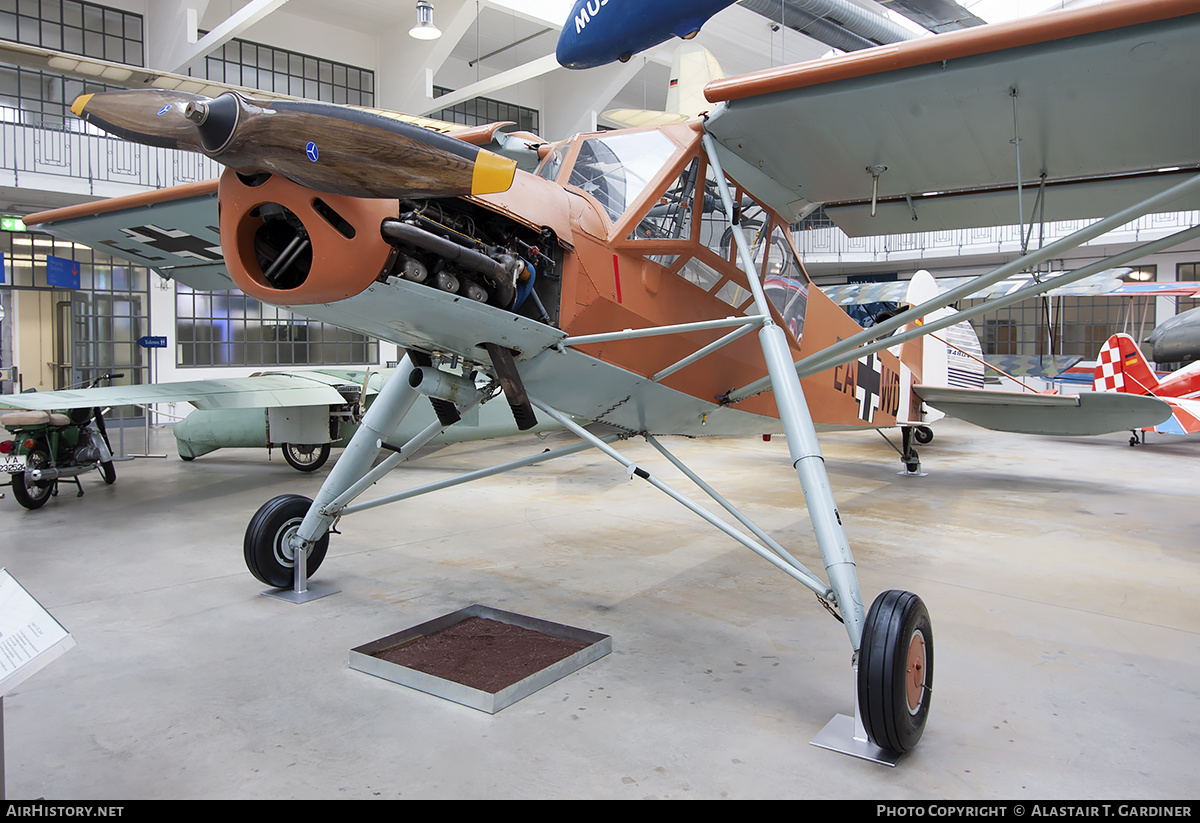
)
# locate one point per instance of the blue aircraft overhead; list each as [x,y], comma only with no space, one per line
[598,32]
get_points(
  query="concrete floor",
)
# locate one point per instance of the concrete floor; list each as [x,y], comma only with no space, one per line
[1061,575]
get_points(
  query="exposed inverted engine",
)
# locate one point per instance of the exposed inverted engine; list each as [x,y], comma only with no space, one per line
[318,248]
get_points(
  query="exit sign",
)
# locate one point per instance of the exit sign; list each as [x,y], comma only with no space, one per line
[9,223]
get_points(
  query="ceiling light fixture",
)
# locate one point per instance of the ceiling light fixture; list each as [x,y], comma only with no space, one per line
[425,29]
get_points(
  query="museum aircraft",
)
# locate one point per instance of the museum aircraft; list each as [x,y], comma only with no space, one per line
[1121,367]
[305,413]
[1176,339]
[621,281]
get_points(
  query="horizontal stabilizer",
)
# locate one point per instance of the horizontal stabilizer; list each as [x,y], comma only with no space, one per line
[1052,414]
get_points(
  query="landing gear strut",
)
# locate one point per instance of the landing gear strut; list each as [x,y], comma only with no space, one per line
[908,453]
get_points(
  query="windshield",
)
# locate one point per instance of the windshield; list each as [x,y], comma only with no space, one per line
[616,169]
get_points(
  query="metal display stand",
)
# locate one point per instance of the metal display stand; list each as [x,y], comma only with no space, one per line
[301,592]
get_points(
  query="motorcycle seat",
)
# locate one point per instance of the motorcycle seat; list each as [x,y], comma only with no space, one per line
[34,418]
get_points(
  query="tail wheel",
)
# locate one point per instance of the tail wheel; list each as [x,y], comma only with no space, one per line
[895,671]
[923,434]
[29,494]
[305,458]
[267,547]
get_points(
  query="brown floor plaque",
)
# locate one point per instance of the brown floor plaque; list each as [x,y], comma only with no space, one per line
[481,657]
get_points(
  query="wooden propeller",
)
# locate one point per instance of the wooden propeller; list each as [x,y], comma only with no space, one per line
[329,148]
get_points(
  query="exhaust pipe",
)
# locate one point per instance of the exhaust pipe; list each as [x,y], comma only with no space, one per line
[441,385]
[48,475]
[501,270]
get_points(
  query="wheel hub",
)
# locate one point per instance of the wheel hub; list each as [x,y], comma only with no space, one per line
[287,541]
[914,675]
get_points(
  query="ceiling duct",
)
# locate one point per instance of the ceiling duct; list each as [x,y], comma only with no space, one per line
[840,24]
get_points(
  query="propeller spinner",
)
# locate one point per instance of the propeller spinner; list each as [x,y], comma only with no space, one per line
[322,146]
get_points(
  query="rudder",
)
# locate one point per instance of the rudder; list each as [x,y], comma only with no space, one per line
[1121,367]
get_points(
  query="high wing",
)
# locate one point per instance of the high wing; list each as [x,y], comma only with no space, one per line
[288,389]
[924,130]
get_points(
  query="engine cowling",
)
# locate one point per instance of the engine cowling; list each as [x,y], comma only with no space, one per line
[287,244]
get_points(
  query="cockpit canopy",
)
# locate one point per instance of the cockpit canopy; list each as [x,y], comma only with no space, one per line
[662,200]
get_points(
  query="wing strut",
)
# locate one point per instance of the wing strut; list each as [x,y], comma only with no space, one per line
[865,734]
[801,434]
[861,344]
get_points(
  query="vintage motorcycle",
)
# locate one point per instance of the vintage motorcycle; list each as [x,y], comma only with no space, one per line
[47,447]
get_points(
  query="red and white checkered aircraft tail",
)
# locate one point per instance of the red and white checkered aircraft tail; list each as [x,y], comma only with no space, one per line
[1121,367]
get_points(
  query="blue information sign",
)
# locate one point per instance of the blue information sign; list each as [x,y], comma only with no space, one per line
[62,273]
[155,342]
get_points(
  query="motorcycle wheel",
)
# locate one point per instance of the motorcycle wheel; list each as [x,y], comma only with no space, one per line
[305,458]
[29,494]
[109,472]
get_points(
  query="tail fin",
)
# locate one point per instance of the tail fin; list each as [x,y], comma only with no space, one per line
[1121,367]
[692,69]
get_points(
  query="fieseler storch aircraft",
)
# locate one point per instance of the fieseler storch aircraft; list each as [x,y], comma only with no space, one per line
[646,279]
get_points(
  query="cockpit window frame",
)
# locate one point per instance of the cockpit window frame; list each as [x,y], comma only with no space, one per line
[683,140]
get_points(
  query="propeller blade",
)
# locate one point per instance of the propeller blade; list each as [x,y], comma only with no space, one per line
[322,146]
[153,117]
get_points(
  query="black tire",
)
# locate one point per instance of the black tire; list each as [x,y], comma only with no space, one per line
[895,671]
[29,494]
[923,434]
[109,472]
[305,458]
[186,458]
[268,555]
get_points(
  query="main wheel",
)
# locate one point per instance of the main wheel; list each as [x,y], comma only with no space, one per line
[305,458]
[109,472]
[269,554]
[895,670]
[923,434]
[29,494]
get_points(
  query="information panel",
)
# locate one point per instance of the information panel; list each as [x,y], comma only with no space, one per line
[29,637]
